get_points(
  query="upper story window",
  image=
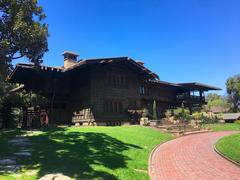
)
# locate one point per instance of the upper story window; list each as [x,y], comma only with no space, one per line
[117,81]
[194,93]
[145,90]
[142,90]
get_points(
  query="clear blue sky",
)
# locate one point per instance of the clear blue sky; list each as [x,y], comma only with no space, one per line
[180,40]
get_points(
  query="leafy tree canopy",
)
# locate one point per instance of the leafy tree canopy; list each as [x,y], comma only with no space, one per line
[22,33]
[212,97]
[217,102]
[233,90]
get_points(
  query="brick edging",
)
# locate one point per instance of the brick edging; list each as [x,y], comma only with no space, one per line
[150,157]
[224,156]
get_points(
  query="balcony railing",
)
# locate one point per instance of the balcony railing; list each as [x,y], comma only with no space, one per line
[191,98]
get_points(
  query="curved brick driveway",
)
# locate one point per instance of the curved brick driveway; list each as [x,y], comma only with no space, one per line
[192,157]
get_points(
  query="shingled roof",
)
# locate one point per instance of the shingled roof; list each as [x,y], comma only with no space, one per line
[86,62]
[186,86]
[27,69]
[196,86]
[82,64]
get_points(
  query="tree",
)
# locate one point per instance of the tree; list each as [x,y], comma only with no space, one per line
[233,90]
[21,32]
[212,96]
[154,110]
[217,103]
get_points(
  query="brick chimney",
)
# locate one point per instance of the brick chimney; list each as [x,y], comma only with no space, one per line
[70,58]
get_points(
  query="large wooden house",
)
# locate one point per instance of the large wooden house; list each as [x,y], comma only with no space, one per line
[104,89]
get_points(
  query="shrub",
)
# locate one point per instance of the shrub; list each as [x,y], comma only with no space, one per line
[145,112]
[208,118]
[168,113]
[177,112]
[197,115]
[154,110]
[146,122]
[16,115]
[182,114]
[237,121]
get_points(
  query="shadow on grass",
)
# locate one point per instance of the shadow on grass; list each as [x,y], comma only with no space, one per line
[6,149]
[75,153]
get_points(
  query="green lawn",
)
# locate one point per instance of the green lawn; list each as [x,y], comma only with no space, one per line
[230,146]
[87,152]
[224,127]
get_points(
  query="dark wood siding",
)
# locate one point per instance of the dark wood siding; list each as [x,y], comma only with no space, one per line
[111,89]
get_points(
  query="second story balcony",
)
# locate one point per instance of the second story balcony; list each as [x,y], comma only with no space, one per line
[190,98]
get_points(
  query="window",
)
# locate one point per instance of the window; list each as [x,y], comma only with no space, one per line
[113,106]
[145,90]
[195,93]
[142,90]
[116,81]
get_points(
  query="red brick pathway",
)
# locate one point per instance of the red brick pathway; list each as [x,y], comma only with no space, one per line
[192,157]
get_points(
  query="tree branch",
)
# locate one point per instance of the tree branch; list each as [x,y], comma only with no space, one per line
[16,57]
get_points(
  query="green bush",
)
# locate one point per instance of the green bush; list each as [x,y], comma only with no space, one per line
[237,121]
[197,115]
[155,116]
[168,113]
[145,112]
[16,115]
[209,118]
[182,114]
[206,117]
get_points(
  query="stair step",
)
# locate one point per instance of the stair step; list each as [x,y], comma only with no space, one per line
[185,130]
[174,126]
